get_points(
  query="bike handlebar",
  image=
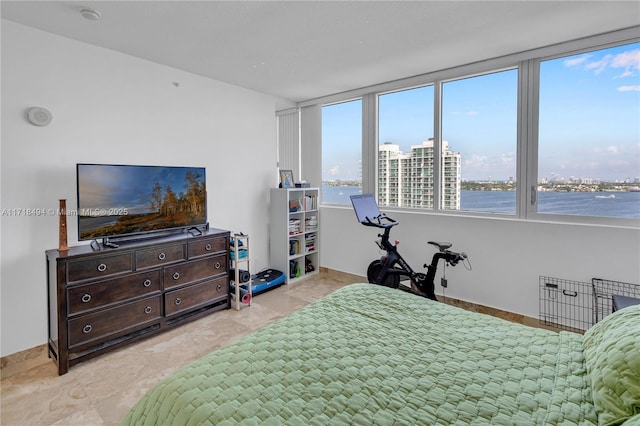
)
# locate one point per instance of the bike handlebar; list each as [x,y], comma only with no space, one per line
[456,258]
[377,221]
[451,257]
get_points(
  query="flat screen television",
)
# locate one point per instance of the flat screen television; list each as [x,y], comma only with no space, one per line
[117,201]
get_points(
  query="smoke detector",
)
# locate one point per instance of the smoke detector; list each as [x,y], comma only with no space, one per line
[90,14]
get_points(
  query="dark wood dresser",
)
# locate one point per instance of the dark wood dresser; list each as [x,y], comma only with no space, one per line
[103,300]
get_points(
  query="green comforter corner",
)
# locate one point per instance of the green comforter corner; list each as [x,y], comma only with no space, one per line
[372,355]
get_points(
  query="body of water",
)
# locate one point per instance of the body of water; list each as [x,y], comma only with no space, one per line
[90,223]
[606,204]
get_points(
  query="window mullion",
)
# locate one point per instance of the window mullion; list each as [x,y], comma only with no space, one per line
[531,120]
[437,146]
[527,135]
[369,144]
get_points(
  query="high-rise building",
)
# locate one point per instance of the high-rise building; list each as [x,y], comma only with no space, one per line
[406,180]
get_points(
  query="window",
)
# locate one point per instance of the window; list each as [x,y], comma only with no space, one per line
[479,143]
[405,151]
[589,134]
[547,134]
[341,151]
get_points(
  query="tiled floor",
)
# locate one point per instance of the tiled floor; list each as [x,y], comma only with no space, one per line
[102,390]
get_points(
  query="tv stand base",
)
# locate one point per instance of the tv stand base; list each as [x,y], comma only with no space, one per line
[108,243]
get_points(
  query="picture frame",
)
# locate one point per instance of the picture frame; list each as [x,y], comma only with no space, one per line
[286,179]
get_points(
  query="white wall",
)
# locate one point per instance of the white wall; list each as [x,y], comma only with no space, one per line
[112,108]
[507,256]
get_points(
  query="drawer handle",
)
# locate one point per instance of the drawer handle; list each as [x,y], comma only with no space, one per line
[217,265]
[147,310]
[86,297]
[207,247]
[178,301]
[147,282]
[175,275]
[87,329]
[102,267]
[219,287]
[161,256]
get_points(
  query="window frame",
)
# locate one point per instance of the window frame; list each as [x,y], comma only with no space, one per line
[528,66]
[377,96]
[337,101]
[517,212]
[531,208]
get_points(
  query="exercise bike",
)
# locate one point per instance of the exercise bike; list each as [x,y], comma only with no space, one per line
[389,269]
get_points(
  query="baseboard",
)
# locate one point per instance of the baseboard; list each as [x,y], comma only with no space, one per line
[505,315]
[23,361]
[343,276]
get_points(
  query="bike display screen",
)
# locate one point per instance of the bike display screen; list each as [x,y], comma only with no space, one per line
[365,207]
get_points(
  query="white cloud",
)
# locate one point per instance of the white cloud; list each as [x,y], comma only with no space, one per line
[599,66]
[476,161]
[575,61]
[611,150]
[334,171]
[629,88]
[627,60]
[508,158]
[473,112]
[630,61]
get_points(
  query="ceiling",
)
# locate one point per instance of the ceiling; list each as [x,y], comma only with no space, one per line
[300,50]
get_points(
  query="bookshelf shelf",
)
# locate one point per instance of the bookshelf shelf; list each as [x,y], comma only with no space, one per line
[294,236]
[239,254]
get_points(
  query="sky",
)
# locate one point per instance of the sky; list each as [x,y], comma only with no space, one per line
[589,121]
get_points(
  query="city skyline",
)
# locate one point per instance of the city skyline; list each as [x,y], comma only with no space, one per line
[589,107]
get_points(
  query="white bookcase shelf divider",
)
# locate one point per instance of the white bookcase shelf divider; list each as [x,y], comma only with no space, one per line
[295,226]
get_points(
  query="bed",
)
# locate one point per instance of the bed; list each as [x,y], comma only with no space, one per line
[371,355]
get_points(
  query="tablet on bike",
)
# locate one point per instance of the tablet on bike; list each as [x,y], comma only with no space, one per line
[366,207]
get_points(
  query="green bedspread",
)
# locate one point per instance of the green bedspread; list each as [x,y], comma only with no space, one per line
[369,355]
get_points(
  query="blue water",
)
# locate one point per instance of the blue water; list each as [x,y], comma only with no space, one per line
[624,205]
[338,194]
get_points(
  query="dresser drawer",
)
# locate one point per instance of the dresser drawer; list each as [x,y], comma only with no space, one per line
[207,246]
[161,255]
[90,296]
[99,267]
[195,270]
[104,323]
[195,295]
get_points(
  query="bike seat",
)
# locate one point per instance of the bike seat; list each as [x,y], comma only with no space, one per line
[442,246]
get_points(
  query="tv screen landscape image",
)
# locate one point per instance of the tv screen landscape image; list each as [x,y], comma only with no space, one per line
[121,200]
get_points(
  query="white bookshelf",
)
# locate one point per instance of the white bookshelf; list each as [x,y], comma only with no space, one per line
[240,260]
[294,231]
